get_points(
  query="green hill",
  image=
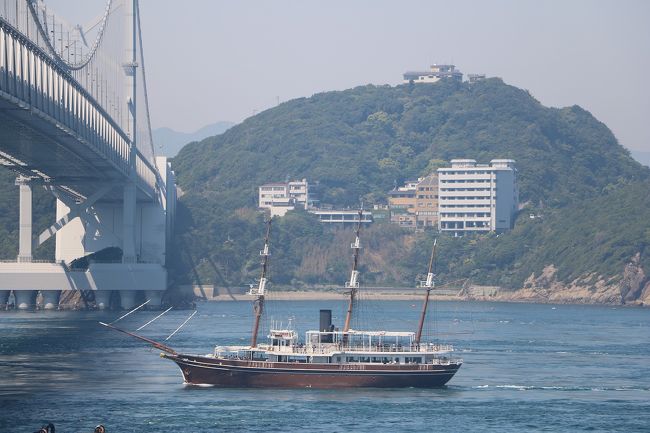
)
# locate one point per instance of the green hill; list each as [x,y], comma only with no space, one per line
[360,141]
[357,143]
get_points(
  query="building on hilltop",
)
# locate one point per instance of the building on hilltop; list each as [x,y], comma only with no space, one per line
[415,204]
[473,78]
[281,197]
[436,73]
[477,197]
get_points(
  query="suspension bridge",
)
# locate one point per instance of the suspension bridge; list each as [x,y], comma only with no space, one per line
[74,119]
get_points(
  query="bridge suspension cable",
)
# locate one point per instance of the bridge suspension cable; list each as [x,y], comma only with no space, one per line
[102,68]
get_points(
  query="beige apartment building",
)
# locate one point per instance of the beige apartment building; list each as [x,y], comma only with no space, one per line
[415,204]
[426,202]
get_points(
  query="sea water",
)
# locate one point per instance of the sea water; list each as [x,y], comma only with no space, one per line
[527,367]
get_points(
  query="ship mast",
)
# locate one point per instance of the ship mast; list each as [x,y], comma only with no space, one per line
[428,284]
[353,284]
[258,305]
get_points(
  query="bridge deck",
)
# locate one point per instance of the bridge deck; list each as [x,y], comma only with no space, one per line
[54,128]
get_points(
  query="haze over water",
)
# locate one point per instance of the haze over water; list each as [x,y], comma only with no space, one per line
[527,368]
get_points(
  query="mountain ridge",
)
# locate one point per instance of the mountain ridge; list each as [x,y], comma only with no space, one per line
[642,156]
[170,142]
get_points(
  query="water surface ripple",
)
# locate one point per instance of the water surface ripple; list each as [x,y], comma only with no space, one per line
[527,368]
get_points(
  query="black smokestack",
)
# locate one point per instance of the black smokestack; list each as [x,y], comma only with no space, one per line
[325,325]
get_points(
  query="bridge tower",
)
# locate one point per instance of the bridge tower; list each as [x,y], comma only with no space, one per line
[74,119]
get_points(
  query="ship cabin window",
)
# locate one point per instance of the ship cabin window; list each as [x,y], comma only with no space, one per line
[413,360]
[374,359]
[289,359]
[296,359]
[258,356]
[281,342]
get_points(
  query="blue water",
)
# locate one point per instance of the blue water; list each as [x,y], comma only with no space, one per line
[527,368]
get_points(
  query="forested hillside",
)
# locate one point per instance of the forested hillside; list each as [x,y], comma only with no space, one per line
[590,196]
[360,141]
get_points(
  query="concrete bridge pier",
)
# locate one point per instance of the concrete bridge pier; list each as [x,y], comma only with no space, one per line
[4,298]
[155,299]
[25,220]
[25,299]
[127,299]
[50,299]
[103,299]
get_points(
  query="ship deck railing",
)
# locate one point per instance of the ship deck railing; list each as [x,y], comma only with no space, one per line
[350,365]
[330,348]
[326,348]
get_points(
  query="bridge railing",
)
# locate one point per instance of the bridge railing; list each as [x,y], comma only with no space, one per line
[147,178]
[29,74]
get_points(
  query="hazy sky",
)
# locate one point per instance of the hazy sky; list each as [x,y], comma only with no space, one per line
[211,60]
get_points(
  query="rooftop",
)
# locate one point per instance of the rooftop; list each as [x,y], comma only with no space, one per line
[338,212]
[436,73]
[471,164]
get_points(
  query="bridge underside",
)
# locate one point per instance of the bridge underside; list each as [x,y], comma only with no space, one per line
[34,146]
[46,152]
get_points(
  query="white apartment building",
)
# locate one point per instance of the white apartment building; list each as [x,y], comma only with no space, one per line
[281,197]
[350,217]
[477,197]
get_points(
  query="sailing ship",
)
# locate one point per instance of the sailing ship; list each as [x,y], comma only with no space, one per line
[328,357]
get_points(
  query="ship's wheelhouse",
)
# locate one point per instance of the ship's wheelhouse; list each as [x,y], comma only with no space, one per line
[283,338]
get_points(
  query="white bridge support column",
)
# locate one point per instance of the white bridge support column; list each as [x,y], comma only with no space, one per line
[25,299]
[155,299]
[25,220]
[50,299]
[128,228]
[128,299]
[103,299]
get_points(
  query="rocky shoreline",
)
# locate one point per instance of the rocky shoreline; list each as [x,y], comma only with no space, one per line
[474,293]
[631,287]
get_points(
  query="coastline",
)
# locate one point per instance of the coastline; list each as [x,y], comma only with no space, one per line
[491,295]
[306,295]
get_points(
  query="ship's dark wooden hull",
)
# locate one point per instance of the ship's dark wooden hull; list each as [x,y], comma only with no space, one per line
[200,370]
